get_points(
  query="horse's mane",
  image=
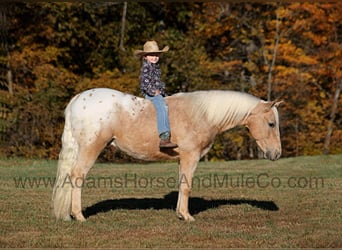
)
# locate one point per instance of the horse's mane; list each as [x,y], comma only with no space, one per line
[221,106]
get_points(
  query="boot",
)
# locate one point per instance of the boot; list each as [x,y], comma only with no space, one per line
[165,141]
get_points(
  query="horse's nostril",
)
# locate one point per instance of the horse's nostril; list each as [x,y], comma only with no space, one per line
[269,155]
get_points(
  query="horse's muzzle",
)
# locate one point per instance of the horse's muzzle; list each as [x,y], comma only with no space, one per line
[273,155]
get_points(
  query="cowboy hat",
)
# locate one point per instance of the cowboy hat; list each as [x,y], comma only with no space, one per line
[150,47]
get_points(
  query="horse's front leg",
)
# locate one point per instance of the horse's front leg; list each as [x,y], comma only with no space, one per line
[187,167]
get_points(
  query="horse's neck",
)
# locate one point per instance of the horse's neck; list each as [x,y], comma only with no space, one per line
[230,123]
[223,109]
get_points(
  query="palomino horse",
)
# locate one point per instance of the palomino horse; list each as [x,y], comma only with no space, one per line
[100,116]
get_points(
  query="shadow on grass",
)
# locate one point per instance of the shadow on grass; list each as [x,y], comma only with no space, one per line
[196,205]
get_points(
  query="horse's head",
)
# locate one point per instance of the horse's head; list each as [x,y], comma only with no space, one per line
[263,124]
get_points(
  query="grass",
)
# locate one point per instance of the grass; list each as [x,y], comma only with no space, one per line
[293,202]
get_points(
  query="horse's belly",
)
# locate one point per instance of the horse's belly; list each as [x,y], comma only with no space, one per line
[148,150]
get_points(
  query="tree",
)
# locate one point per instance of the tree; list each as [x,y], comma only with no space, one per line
[322,28]
[6,81]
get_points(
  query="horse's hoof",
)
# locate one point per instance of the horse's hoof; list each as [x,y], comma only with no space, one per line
[67,218]
[190,218]
[79,217]
[186,217]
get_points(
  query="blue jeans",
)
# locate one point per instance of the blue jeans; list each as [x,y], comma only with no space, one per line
[163,122]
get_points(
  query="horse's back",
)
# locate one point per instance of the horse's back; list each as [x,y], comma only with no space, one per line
[94,110]
[99,97]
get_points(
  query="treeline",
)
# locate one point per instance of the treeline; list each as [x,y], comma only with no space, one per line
[284,51]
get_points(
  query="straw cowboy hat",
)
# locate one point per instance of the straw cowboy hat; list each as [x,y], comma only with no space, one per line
[150,47]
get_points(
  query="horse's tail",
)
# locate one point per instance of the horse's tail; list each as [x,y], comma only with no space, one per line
[61,195]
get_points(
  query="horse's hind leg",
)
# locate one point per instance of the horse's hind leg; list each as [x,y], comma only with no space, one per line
[86,159]
[187,167]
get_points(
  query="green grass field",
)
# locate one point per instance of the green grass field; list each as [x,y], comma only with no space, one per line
[293,202]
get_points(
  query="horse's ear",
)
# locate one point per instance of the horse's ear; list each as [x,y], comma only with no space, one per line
[271,104]
[276,103]
[265,106]
[268,106]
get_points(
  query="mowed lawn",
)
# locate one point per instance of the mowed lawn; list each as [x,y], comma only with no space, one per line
[292,202]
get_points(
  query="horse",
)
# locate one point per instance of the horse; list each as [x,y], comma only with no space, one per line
[99,117]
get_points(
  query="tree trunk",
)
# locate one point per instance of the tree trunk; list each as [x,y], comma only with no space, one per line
[326,147]
[270,65]
[123,24]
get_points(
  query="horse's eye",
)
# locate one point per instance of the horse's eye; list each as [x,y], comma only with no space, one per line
[271,124]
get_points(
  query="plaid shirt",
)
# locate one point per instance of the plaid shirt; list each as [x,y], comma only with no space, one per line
[150,79]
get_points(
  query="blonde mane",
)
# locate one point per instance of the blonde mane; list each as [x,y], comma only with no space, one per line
[221,107]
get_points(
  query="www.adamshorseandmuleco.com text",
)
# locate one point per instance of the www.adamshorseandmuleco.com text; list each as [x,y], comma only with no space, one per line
[135,181]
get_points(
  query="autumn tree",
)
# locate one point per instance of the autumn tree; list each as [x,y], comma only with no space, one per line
[316,29]
[6,83]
